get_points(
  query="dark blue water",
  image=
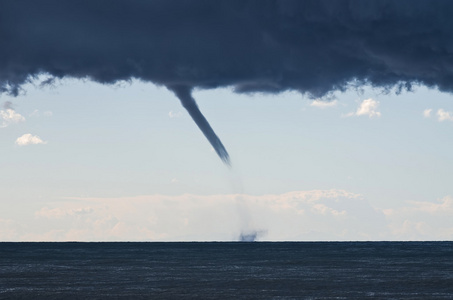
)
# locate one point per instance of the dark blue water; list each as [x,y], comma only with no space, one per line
[377,270]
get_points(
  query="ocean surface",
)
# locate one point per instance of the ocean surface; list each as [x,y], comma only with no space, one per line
[255,270]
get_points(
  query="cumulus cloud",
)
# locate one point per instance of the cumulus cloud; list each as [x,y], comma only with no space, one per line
[443,115]
[367,107]
[323,104]
[29,139]
[9,116]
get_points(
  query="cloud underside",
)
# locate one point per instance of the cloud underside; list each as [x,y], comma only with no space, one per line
[298,216]
[311,46]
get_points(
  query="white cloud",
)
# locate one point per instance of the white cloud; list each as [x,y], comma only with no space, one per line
[29,139]
[173,114]
[368,107]
[444,115]
[427,113]
[10,116]
[47,113]
[323,104]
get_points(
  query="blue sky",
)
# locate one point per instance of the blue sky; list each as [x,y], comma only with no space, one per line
[126,162]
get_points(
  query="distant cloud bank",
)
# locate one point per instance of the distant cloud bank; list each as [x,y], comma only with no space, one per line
[295,216]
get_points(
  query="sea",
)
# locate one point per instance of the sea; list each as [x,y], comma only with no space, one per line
[224,270]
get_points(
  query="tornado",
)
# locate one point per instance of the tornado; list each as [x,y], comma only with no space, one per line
[184,94]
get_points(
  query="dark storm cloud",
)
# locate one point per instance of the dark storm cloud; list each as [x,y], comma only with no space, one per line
[313,47]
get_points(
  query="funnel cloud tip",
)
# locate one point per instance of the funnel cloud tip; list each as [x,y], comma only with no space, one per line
[184,94]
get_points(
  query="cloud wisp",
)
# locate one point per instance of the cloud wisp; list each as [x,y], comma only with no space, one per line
[314,47]
[37,113]
[427,113]
[173,114]
[323,104]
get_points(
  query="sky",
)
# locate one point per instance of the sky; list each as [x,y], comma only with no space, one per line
[315,143]
[126,162]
